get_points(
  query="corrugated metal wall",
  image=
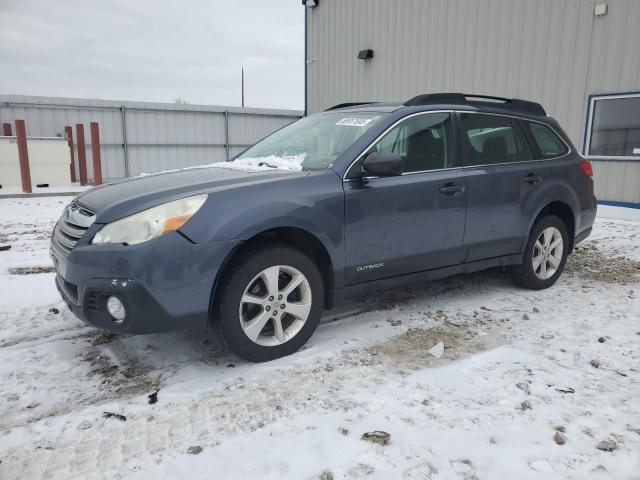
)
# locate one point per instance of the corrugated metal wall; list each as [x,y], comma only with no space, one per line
[138,137]
[553,52]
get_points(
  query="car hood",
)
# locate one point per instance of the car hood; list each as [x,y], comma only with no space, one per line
[120,199]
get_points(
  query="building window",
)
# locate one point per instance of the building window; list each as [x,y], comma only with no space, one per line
[613,129]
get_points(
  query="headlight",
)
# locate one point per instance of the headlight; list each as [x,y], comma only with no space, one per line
[150,223]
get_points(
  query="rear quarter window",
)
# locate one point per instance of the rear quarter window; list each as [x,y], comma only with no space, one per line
[546,143]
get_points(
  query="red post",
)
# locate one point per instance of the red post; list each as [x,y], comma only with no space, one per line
[72,165]
[23,156]
[82,154]
[95,153]
[6,130]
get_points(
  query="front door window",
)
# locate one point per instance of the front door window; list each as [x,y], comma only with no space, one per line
[423,142]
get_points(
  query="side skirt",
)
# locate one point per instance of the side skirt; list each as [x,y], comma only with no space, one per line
[351,291]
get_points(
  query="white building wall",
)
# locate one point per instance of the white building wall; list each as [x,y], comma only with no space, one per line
[554,52]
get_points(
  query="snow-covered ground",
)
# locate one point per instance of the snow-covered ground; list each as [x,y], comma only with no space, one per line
[517,367]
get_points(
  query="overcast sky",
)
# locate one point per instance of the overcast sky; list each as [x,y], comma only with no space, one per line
[155,50]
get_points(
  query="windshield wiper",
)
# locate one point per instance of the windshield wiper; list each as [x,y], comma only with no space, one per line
[267,165]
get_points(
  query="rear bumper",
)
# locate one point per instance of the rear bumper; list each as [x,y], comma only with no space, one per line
[582,235]
[584,224]
[164,284]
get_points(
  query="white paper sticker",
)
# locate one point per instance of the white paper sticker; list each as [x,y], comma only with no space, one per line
[354,122]
[636,151]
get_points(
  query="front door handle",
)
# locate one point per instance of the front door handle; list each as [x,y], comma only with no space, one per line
[451,188]
[532,178]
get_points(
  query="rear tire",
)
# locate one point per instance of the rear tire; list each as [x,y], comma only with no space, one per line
[269,302]
[545,255]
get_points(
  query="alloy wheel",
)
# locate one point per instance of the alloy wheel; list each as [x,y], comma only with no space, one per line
[275,305]
[547,253]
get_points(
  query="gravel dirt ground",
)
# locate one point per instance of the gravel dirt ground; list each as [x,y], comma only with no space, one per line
[530,385]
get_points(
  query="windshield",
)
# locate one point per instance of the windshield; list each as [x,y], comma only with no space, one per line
[311,143]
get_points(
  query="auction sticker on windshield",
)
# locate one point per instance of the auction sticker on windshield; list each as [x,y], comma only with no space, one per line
[354,122]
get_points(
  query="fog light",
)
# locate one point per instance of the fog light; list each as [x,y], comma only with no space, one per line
[116,309]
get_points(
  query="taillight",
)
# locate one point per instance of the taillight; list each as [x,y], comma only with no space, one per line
[586,167]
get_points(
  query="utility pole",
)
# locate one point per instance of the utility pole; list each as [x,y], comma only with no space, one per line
[243,86]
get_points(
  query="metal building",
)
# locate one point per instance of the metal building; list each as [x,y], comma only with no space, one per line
[137,137]
[579,58]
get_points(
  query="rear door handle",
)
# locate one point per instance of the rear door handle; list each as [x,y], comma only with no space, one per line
[451,188]
[532,178]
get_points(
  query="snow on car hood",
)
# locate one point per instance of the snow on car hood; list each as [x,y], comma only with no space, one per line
[259,164]
[292,163]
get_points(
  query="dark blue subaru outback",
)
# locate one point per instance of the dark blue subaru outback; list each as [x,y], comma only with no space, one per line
[357,198]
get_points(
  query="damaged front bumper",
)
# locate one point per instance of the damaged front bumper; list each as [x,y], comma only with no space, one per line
[164,284]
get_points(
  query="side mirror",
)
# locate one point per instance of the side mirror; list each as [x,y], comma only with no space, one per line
[383,164]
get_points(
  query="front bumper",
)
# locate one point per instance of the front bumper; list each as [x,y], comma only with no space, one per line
[165,284]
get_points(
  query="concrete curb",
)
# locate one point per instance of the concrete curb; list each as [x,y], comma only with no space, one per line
[38,194]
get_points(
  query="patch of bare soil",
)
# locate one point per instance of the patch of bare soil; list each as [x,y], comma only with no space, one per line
[56,335]
[591,263]
[30,270]
[37,233]
[462,334]
[117,380]
[458,334]
[415,344]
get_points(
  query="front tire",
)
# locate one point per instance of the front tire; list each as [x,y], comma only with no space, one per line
[545,255]
[269,303]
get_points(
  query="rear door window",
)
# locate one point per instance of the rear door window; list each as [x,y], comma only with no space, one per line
[546,142]
[493,139]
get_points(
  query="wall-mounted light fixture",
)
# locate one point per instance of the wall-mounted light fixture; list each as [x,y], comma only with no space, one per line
[310,3]
[365,54]
[600,9]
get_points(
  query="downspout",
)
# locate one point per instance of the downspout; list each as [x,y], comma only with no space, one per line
[305,59]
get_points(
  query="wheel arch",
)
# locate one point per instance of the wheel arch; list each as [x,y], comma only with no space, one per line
[564,212]
[295,237]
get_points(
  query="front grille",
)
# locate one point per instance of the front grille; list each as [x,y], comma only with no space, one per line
[73,223]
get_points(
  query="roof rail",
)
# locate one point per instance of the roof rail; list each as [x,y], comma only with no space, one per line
[350,104]
[514,104]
